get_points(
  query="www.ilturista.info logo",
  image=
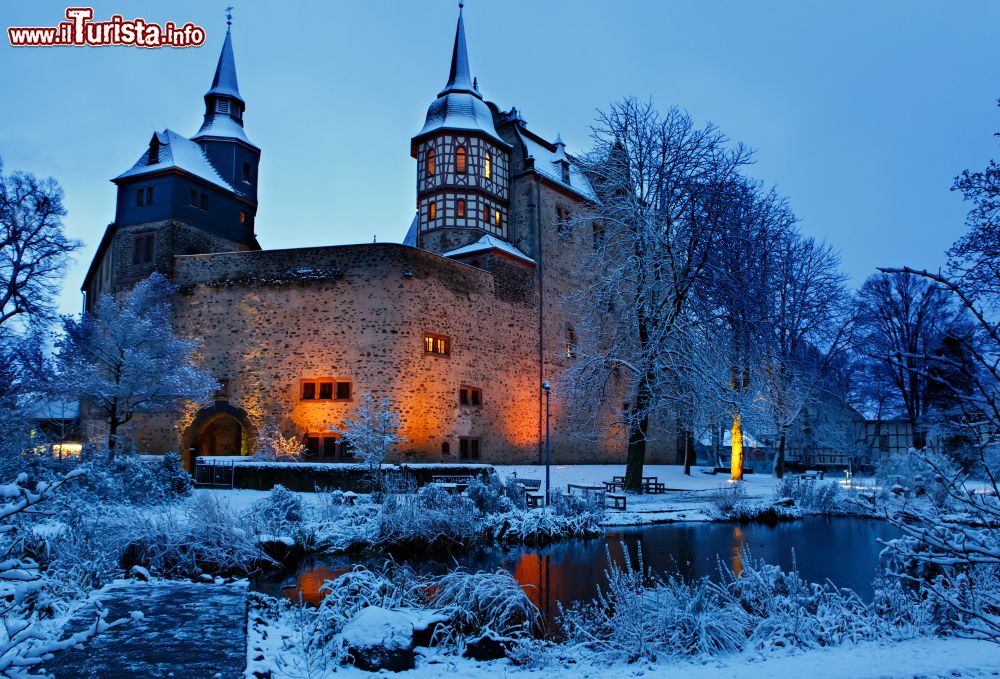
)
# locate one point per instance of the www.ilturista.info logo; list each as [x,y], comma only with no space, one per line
[81,30]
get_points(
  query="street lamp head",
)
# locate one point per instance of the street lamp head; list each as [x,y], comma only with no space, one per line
[546,386]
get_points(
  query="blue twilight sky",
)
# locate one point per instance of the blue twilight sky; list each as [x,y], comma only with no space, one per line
[861,112]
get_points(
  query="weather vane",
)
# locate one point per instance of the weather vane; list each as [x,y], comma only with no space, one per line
[229,15]
[461,4]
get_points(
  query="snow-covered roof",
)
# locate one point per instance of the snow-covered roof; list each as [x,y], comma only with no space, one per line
[224,83]
[180,152]
[460,106]
[56,409]
[488,242]
[411,233]
[222,125]
[549,163]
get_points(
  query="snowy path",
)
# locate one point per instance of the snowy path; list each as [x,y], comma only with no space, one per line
[194,631]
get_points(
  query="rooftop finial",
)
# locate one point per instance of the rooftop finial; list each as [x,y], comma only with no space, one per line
[459,79]
[460,5]
[229,16]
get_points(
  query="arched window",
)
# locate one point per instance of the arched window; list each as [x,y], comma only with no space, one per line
[432,211]
[488,166]
[460,160]
[460,207]
[431,162]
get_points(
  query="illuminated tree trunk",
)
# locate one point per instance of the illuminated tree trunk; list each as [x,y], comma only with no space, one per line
[737,459]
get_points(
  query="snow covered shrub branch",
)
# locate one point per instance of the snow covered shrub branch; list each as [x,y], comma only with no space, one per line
[951,551]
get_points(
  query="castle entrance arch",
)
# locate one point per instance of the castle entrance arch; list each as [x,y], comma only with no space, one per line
[220,429]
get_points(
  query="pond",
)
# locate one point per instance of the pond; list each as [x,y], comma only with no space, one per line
[844,550]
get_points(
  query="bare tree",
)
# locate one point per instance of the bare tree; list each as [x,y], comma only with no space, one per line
[663,186]
[125,358]
[372,429]
[33,247]
[902,319]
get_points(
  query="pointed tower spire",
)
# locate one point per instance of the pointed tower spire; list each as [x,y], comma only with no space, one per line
[224,83]
[459,78]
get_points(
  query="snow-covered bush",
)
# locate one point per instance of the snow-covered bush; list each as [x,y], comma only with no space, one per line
[209,538]
[489,497]
[483,603]
[730,501]
[431,517]
[822,497]
[273,446]
[279,512]
[569,505]
[134,479]
[920,474]
[34,611]
[762,608]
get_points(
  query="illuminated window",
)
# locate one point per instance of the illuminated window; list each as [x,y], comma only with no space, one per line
[243,217]
[432,211]
[497,218]
[468,448]
[326,390]
[460,160]
[436,344]
[486,214]
[488,166]
[459,208]
[570,342]
[470,396]
[431,162]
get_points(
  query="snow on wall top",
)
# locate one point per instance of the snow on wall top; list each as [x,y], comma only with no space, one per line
[488,242]
[549,163]
[177,151]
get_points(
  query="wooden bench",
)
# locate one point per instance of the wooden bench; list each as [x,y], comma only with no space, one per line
[812,475]
[618,501]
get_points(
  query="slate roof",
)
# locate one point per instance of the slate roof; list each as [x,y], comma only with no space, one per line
[177,151]
[488,242]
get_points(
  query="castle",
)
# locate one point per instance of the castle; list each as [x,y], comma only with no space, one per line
[459,325]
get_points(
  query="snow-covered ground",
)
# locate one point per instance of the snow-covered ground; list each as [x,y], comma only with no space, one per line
[687,497]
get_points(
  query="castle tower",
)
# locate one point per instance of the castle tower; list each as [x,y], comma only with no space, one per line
[183,196]
[463,165]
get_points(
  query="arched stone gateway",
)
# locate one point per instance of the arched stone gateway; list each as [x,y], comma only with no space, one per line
[220,429]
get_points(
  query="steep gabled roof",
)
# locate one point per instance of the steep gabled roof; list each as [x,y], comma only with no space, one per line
[176,151]
[224,83]
[549,162]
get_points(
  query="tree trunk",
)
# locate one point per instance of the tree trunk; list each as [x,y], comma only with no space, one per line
[779,459]
[113,429]
[636,455]
[690,455]
[736,468]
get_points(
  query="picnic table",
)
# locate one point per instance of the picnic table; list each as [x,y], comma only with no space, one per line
[650,484]
[599,493]
[452,484]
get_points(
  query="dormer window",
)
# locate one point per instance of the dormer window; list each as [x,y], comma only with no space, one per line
[222,106]
[488,166]
[460,160]
[431,162]
[565,172]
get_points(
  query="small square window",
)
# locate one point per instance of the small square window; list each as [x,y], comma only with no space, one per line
[470,396]
[312,446]
[343,391]
[308,391]
[436,344]
[325,391]
[468,448]
[463,396]
[330,447]
[223,390]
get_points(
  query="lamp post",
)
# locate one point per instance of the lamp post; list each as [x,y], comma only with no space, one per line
[546,387]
